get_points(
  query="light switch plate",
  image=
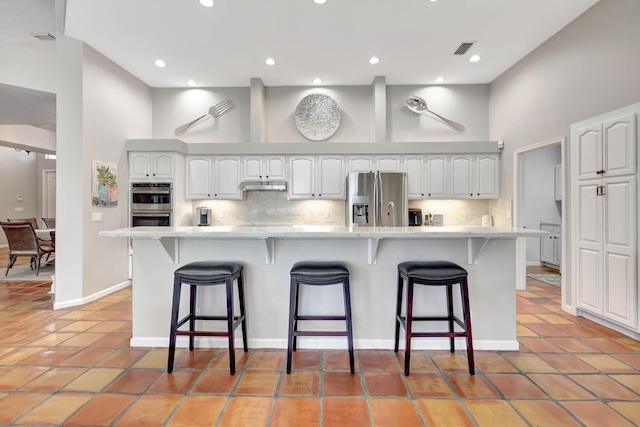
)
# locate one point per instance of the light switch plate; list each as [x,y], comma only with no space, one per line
[19,197]
[96,217]
[19,209]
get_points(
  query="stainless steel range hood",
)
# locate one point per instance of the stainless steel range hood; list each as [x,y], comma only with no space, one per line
[263,185]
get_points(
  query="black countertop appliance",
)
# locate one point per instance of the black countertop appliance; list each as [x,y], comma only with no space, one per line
[415,217]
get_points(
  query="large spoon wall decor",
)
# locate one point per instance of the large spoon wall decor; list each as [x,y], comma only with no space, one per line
[419,106]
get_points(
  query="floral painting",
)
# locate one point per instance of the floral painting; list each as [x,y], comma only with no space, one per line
[104,186]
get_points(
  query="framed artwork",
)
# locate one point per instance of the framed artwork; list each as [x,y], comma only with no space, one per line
[104,185]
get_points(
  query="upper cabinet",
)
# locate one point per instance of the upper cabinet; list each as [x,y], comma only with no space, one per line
[317,177]
[151,166]
[213,177]
[607,148]
[475,176]
[260,168]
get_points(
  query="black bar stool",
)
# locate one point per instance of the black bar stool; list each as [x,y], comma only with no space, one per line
[433,273]
[207,273]
[318,274]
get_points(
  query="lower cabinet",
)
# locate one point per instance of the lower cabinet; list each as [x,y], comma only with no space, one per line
[550,246]
[213,177]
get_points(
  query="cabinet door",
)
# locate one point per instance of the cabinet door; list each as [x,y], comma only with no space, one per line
[437,174]
[301,178]
[620,222]
[589,150]
[275,167]
[619,146]
[361,164]
[252,167]
[139,166]
[331,178]
[557,246]
[198,177]
[547,244]
[226,177]
[462,177]
[558,182]
[162,165]
[415,166]
[389,163]
[589,247]
[487,176]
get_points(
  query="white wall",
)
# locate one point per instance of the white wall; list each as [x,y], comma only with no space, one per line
[539,193]
[116,106]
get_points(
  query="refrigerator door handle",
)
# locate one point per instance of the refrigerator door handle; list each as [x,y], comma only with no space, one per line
[391,211]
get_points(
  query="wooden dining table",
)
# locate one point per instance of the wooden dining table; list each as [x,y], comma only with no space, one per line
[45,233]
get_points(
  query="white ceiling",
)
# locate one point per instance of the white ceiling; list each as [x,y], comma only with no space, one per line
[227,44]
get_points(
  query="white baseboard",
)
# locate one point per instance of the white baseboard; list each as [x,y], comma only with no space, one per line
[611,325]
[327,343]
[90,298]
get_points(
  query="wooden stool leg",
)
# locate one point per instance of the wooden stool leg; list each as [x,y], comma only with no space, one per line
[347,314]
[232,352]
[467,323]
[243,323]
[175,308]
[452,346]
[293,301]
[408,322]
[295,316]
[398,311]
[193,292]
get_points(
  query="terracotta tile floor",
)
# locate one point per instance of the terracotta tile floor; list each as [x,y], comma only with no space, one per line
[74,367]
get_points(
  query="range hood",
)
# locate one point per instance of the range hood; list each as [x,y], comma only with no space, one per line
[263,185]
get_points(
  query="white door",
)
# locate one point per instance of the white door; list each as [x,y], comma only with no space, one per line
[331,177]
[462,177]
[163,165]
[488,176]
[589,247]
[620,221]
[437,177]
[275,167]
[589,152]
[226,178]
[49,194]
[415,167]
[198,177]
[619,147]
[546,244]
[301,182]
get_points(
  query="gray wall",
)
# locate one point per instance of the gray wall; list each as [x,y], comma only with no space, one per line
[539,193]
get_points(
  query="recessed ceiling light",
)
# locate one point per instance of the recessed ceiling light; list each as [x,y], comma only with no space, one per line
[160,63]
[316,81]
[206,3]
[270,61]
[440,79]
[433,1]
[374,60]
[319,1]
[474,58]
[191,82]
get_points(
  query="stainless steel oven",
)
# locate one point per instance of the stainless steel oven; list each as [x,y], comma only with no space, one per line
[151,204]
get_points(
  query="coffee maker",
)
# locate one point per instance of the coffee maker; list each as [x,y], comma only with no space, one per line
[203,216]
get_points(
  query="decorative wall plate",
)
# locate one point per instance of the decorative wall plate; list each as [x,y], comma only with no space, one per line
[318,117]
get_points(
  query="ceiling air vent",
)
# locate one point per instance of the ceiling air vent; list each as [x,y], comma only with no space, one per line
[43,36]
[463,48]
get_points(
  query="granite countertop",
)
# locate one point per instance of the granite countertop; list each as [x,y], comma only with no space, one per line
[324,231]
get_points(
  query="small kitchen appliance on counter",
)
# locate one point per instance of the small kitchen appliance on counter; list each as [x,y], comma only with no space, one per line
[415,217]
[203,216]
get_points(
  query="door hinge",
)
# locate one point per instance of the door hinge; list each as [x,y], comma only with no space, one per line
[600,190]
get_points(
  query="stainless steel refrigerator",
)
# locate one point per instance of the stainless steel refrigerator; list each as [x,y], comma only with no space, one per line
[377,199]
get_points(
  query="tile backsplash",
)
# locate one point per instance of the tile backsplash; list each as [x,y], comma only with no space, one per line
[272,207]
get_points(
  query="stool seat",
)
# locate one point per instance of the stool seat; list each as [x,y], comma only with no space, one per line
[314,271]
[208,270]
[433,273]
[207,273]
[432,270]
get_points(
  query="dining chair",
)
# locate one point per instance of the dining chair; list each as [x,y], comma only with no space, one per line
[49,222]
[23,241]
[33,221]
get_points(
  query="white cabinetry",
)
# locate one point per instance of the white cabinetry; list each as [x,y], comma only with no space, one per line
[551,246]
[475,176]
[427,176]
[213,177]
[604,198]
[317,177]
[263,167]
[151,166]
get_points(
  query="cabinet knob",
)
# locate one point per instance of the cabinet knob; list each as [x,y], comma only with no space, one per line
[154,174]
[478,194]
[429,194]
[146,174]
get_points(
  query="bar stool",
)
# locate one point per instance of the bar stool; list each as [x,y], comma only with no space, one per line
[207,273]
[433,273]
[318,274]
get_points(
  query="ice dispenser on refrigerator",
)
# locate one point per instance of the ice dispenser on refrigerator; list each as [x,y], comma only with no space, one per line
[376,199]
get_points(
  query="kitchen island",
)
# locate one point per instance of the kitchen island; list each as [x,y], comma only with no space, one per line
[371,253]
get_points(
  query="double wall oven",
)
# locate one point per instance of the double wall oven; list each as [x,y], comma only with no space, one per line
[151,204]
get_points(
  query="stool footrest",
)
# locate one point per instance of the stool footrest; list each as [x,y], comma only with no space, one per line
[203,333]
[236,319]
[443,319]
[438,334]
[320,333]
[320,318]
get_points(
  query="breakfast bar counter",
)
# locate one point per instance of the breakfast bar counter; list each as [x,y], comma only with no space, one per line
[372,255]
